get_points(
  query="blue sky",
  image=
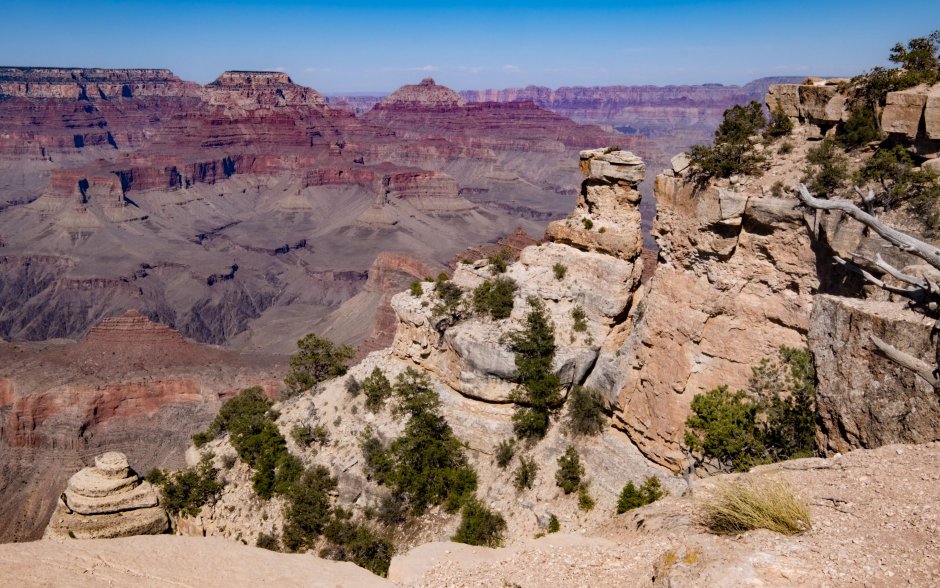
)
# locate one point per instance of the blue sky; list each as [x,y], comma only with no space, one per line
[377,46]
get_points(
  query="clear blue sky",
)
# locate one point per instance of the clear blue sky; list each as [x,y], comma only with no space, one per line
[377,46]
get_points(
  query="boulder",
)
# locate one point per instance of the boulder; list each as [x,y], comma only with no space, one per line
[107,500]
[903,112]
[864,399]
[932,113]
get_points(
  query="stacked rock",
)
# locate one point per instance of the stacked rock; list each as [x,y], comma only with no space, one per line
[107,500]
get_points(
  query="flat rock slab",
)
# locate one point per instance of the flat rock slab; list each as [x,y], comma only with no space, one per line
[167,560]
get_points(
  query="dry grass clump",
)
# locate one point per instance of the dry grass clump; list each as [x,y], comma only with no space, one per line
[743,505]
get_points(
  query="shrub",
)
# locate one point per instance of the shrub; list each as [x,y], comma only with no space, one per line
[317,359]
[860,129]
[479,525]
[495,297]
[553,525]
[743,505]
[919,64]
[352,386]
[585,501]
[785,148]
[356,542]
[426,464]
[377,389]
[779,125]
[559,270]
[723,427]
[588,223]
[570,471]
[827,170]
[777,189]
[585,411]
[302,435]
[499,260]
[579,317]
[308,508]
[786,389]
[732,150]
[268,542]
[505,452]
[525,473]
[377,462]
[186,491]
[416,289]
[893,170]
[449,296]
[632,497]
[538,394]
[393,510]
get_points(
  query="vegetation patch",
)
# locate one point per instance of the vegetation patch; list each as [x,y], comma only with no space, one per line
[538,393]
[317,360]
[479,525]
[377,389]
[632,497]
[744,505]
[186,491]
[585,411]
[495,297]
[570,472]
[525,474]
[559,270]
[732,150]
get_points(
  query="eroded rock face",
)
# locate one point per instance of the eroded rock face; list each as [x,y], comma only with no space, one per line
[864,399]
[424,95]
[735,282]
[602,270]
[107,500]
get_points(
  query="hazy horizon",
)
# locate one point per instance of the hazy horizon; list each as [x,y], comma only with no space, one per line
[373,48]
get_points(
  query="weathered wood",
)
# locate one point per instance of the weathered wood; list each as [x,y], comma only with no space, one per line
[907,361]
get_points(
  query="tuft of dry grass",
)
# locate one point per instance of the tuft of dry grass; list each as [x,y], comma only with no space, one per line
[743,505]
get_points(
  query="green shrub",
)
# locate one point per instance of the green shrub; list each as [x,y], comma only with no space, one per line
[744,505]
[732,150]
[553,525]
[377,462]
[352,386]
[495,297]
[918,64]
[579,317]
[777,189]
[308,509]
[559,270]
[356,542]
[393,510]
[779,125]
[860,129]
[827,169]
[302,435]
[449,296]
[538,394]
[786,389]
[588,223]
[723,427]
[893,170]
[426,464]
[317,359]
[269,542]
[525,473]
[499,260]
[479,525]
[585,411]
[570,471]
[785,148]
[585,501]
[415,288]
[377,389]
[186,491]
[505,452]
[632,497]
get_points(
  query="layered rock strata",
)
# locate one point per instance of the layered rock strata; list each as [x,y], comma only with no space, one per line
[107,500]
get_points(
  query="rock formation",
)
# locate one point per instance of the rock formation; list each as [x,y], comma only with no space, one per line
[107,500]
[425,95]
[132,385]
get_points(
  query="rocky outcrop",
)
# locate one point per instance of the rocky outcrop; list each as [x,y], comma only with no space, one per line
[864,399]
[424,95]
[602,270]
[90,83]
[107,500]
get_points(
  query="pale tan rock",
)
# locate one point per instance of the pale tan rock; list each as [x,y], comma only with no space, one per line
[107,500]
[863,399]
[933,165]
[680,163]
[903,111]
[932,113]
